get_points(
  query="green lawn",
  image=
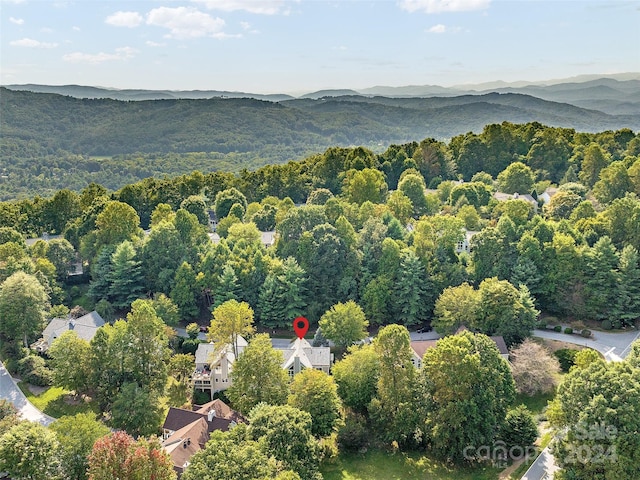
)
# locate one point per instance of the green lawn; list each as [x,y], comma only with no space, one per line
[376,464]
[52,402]
[535,404]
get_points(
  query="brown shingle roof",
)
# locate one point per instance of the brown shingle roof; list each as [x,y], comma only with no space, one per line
[185,442]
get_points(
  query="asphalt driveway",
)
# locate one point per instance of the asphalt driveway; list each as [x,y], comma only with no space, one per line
[10,391]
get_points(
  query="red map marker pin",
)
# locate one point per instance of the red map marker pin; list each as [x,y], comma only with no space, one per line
[300,326]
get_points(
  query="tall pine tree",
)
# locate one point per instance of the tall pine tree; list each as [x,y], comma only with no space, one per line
[126,279]
[184,292]
[227,287]
[627,306]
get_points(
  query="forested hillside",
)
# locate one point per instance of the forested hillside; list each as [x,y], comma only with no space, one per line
[422,234]
[51,141]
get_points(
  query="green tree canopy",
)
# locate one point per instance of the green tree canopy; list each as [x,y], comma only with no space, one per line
[76,435]
[344,324]
[471,388]
[316,392]
[258,376]
[30,451]
[23,303]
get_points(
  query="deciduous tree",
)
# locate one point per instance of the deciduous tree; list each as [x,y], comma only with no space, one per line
[357,376]
[471,388]
[316,392]
[344,324]
[30,451]
[76,435]
[70,359]
[534,369]
[258,376]
[23,303]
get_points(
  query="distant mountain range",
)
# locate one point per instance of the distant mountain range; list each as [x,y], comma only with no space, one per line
[72,135]
[617,94]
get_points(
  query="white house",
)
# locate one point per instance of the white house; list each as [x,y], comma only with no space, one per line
[300,355]
[213,368]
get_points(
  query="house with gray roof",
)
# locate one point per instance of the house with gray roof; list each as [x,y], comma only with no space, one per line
[85,327]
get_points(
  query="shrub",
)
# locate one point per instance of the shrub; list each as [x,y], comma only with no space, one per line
[353,435]
[519,428]
[200,397]
[568,330]
[586,333]
[566,358]
[557,328]
[607,325]
[32,369]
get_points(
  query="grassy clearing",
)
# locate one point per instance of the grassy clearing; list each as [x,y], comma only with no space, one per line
[377,464]
[56,402]
[535,404]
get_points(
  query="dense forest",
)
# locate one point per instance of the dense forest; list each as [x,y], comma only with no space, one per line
[50,142]
[499,232]
[437,189]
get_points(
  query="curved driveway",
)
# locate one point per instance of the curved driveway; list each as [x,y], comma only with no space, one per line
[614,346]
[10,391]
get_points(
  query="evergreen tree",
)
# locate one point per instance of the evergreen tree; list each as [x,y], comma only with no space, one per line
[282,295]
[100,284]
[227,287]
[627,306]
[126,279]
[411,288]
[602,278]
[184,292]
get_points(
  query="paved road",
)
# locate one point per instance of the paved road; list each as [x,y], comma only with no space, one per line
[614,346]
[543,468]
[10,391]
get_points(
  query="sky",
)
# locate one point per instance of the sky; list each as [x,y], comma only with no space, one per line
[298,46]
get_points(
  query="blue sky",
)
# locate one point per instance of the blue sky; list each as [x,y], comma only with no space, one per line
[282,46]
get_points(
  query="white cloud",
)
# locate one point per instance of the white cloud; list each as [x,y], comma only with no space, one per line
[124,19]
[123,53]
[76,29]
[438,6]
[185,22]
[149,43]
[17,21]
[31,43]
[262,7]
[440,28]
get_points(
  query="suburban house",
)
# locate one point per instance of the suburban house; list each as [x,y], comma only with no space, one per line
[547,195]
[503,197]
[85,327]
[419,348]
[266,238]
[213,367]
[185,432]
[300,355]
[464,245]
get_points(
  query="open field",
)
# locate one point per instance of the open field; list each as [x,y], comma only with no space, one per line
[376,464]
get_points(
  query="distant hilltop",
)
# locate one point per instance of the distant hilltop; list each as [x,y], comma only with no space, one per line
[615,94]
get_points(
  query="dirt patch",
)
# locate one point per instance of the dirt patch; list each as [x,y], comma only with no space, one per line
[36,390]
[72,399]
[554,345]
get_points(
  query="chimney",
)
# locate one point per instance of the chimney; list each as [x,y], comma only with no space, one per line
[210,414]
